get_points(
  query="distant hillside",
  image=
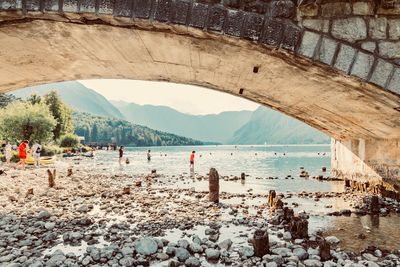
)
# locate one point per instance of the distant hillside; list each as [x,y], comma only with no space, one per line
[213,127]
[101,129]
[267,125]
[77,96]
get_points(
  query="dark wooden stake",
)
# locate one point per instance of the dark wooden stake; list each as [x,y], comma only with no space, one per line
[213,182]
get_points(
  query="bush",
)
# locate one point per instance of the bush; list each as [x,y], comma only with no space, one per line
[50,150]
[69,140]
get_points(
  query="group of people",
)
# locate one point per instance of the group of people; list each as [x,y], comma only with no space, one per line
[121,155]
[23,150]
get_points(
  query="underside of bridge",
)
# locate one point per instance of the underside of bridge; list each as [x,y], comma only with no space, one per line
[362,117]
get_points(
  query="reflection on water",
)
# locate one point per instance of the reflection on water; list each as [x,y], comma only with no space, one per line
[261,163]
[382,232]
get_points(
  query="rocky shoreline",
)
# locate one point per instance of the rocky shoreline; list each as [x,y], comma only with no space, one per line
[91,219]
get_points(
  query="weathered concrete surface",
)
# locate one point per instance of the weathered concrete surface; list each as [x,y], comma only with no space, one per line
[44,51]
[375,162]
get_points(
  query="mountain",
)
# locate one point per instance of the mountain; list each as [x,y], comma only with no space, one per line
[77,96]
[273,127]
[213,127]
[102,129]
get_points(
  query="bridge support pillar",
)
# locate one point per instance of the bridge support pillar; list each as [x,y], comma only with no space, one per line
[370,165]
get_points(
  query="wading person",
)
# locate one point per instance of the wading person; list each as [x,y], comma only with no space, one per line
[22,153]
[191,161]
[121,154]
[148,155]
[36,150]
[8,152]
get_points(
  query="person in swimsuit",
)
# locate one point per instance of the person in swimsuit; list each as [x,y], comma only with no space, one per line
[191,160]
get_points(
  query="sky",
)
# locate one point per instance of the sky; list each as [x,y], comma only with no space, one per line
[184,98]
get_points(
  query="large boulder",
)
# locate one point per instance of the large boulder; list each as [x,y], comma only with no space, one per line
[146,246]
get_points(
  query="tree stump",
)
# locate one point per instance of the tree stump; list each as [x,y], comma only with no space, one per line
[51,177]
[298,227]
[213,185]
[260,243]
[243,176]
[69,172]
[29,192]
[324,250]
[126,190]
[374,205]
[271,197]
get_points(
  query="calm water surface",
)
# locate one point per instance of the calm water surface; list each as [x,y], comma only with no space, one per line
[260,163]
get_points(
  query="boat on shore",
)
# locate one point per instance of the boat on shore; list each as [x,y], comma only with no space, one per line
[42,161]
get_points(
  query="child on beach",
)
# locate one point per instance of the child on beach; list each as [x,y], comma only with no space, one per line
[23,147]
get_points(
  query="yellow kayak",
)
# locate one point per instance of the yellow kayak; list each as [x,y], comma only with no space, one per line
[43,160]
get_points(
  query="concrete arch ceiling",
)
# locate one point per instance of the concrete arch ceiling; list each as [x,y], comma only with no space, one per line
[280,54]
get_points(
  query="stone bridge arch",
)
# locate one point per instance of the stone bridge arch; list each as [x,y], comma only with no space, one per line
[332,64]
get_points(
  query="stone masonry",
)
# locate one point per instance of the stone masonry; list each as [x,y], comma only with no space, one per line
[358,38]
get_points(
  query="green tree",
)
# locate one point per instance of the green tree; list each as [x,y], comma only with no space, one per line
[22,120]
[95,132]
[69,140]
[60,112]
[6,99]
[34,99]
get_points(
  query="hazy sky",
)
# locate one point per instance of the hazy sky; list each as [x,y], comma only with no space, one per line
[185,98]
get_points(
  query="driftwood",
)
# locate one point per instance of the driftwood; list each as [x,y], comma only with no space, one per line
[51,177]
[213,185]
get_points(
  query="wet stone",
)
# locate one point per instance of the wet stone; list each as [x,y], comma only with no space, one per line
[212,254]
[146,246]
[193,262]
[182,254]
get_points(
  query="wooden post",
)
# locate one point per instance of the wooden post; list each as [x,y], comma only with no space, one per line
[51,177]
[260,243]
[213,184]
[69,172]
[324,250]
[243,176]
[271,197]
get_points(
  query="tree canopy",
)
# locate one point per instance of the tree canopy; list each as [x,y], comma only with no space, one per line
[22,120]
[60,112]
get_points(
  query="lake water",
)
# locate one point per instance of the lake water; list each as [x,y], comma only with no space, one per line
[259,163]
[255,161]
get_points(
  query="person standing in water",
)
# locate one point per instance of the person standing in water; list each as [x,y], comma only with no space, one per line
[191,160]
[23,147]
[8,152]
[36,150]
[148,155]
[121,154]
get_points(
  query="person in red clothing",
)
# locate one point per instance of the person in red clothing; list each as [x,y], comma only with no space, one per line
[191,160]
[23,147]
